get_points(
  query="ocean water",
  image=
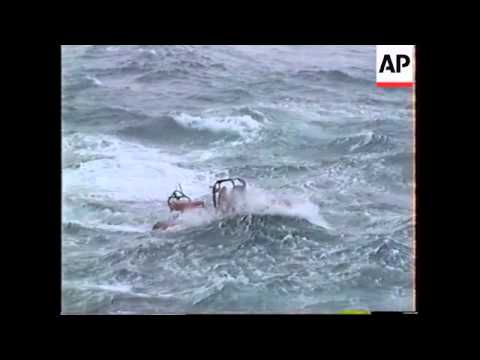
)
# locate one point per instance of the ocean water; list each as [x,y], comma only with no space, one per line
[301,123]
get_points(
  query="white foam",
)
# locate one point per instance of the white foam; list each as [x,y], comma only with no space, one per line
[367,137]
[197,217]
[124,228]
[243,125]
[126,171]
[150,51]
[112,287]
[263,202]
[136,174]
[139,177]
[95,80]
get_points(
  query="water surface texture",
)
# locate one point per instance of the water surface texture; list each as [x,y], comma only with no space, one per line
[302,123]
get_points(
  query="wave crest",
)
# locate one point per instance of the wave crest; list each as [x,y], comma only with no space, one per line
[365,142]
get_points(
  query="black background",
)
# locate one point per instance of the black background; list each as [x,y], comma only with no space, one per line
[42,231]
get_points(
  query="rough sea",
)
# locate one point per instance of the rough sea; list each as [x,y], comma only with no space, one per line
[301,123]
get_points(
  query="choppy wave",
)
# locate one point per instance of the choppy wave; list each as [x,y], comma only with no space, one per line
[124,68]
[124,170]
[331,76]
[191,129]
[105,116]
[370,142]
[82,83]
[160,75]
[238,124]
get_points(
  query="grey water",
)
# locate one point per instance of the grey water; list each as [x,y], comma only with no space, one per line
[302,123]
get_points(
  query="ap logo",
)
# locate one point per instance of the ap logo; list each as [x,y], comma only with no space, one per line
[395,65]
